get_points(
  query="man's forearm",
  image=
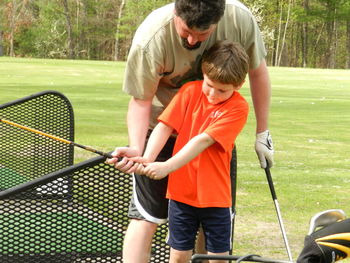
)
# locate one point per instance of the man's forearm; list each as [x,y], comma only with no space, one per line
[138,117]
[261,95]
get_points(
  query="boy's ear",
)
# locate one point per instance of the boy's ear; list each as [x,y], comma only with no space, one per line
[239,86]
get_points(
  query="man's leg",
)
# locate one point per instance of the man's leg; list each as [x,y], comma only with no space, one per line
[138,241]
[200,243]
[149,196]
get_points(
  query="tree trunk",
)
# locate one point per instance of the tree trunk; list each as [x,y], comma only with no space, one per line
[116,46]
[69,30]
[348,44]
[304,44]
[316,45]
[77,26]
[284,32]
[278,34]
[304,36]
[12,27]
[1,47]
[83,39]
[332,36]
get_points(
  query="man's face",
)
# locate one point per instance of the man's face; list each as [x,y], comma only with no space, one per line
[191,38]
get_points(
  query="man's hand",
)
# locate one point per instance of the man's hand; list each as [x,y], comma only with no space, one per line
[264,149]
[126,164]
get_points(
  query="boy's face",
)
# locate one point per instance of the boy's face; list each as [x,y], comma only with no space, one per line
[217,92]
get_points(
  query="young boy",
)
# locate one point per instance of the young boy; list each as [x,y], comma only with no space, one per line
[207,116]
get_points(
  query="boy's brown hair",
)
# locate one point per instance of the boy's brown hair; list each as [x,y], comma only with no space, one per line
[226,62]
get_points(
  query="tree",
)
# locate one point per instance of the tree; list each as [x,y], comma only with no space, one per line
[1,34]
[348,44]
[69,29]
[305,33]
[305,27]
[129,21]
[117,37]
[284,33]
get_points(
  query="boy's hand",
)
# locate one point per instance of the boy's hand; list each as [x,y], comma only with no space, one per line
[264,149]
[139,164]
[156,170]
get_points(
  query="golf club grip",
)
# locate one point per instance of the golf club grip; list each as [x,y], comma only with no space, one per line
[269,180]
[107,155]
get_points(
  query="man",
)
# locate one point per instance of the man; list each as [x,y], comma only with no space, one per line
[166,53]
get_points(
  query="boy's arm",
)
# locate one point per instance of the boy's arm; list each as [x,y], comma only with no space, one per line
[157,140]
[192,149]
[155,144]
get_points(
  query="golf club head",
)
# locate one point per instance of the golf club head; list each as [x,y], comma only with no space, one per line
[325,218]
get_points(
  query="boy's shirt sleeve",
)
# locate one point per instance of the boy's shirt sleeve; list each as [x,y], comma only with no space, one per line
[226,126]
[174,113]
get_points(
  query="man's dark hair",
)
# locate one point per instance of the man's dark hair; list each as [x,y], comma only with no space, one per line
[200,14]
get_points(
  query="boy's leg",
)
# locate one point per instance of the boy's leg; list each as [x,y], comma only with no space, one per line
[178,256]
[183,227]
[219,254]
[138,241]
[200,243]
[217,228]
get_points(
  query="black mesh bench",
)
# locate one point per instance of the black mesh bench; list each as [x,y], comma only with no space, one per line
[25,155]
[50,209]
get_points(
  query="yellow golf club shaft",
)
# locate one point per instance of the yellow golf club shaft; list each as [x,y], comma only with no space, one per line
[107,155]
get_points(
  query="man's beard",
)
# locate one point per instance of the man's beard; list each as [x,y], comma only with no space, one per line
[186,45]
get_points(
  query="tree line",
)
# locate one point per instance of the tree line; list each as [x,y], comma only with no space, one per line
[297,33]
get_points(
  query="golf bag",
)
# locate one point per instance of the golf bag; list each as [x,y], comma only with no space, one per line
[329,244]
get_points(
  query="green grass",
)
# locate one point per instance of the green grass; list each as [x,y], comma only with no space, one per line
[309,122]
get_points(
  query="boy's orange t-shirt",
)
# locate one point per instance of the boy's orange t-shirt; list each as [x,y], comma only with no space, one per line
[204,181]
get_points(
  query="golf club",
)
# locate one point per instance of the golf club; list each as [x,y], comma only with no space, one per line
[107,155]
[274,197]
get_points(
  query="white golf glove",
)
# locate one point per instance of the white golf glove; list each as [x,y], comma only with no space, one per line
[264,148]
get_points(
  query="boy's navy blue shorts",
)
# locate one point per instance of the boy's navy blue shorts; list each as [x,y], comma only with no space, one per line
[184,221]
